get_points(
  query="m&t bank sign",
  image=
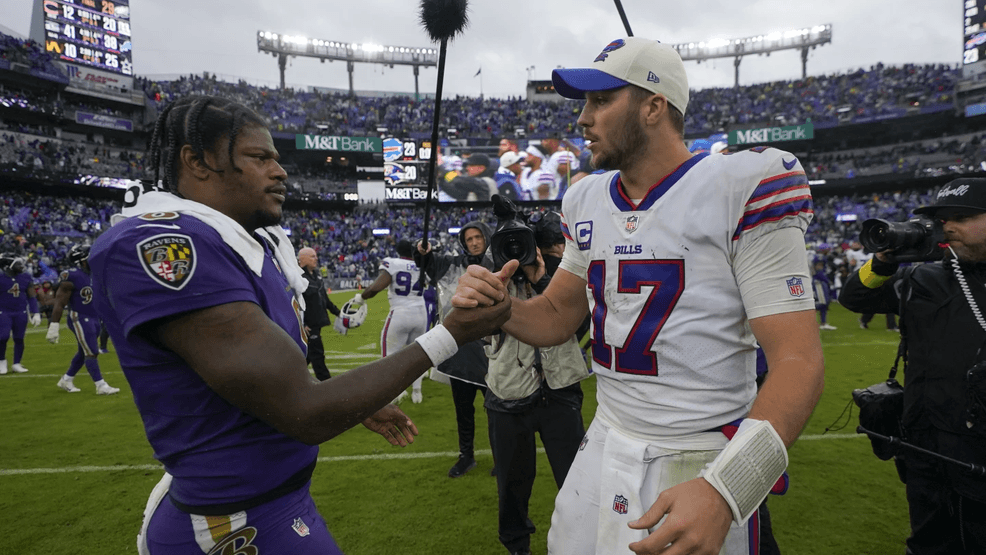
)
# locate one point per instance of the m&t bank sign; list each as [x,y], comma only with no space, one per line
[767,135]
[338,144]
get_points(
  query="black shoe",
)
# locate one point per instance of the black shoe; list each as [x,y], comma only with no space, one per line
[461,466]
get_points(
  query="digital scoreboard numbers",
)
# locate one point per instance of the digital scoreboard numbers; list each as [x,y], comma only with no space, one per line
[94,33]
[974,49]
[405,161]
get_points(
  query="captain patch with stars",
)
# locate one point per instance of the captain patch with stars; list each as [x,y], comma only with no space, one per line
[169,259]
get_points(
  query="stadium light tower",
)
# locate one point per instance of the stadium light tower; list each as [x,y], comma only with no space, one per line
[802,39]
[282,46]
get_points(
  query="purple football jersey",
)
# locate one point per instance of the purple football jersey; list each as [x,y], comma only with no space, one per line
[155,266]
[81,300]
[13,292]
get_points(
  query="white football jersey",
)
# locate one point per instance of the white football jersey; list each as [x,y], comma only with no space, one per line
[405,288]
[673,279]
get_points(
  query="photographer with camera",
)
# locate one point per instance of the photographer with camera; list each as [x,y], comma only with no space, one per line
[467,367]
[944,333]
[531,391]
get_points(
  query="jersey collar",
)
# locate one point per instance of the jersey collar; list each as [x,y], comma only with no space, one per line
[623,202]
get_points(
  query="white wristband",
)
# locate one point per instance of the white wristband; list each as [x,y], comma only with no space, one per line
[748,467]
[438,344]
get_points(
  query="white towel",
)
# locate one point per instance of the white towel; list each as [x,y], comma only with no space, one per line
[157,494]
[623,470]
[233,234]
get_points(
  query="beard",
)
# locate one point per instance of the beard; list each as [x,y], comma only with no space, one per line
[627,148]
[265,218]
[970,253]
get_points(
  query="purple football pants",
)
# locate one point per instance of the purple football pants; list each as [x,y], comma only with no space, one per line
[289,525]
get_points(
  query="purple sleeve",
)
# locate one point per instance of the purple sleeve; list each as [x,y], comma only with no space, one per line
[153,278]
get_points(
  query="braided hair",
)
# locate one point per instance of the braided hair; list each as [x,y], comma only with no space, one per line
[200,122]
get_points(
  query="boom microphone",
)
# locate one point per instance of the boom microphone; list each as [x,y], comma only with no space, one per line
[623,16]
[443,19]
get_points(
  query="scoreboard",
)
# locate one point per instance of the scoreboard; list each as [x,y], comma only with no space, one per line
[405,161]
[974,38]
[94,33]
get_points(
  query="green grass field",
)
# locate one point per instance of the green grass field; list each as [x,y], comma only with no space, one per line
[76,469]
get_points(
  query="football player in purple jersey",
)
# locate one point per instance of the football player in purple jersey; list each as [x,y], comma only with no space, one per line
[75,292]
[201,292]
[18,304]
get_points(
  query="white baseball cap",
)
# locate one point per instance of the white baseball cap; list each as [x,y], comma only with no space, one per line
[564,157]
[510,158]
[533,151]
[637,61]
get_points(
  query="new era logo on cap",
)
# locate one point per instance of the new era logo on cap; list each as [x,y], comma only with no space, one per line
[652,77]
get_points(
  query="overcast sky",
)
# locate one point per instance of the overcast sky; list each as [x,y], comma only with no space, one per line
[506,37]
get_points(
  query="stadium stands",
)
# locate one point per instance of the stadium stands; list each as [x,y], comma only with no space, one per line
[854,114]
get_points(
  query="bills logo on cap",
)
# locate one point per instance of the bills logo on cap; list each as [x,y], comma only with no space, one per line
[796,287]
[169,259]
[631,223]
[615,45]
[300,527]
[620,504]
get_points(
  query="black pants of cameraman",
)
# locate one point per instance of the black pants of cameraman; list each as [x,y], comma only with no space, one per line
[464,399]
[557,417]
[943,520]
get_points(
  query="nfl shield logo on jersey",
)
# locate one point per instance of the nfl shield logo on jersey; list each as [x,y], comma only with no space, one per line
[300,527]
[796,287]
[620,504]
[632,223]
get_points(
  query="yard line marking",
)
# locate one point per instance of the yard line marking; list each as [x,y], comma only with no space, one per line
[339,458]
[892,341]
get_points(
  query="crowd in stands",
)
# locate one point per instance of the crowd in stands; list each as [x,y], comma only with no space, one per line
[877,92]
[959,154]
[45,227]
[27,52]
[28,154]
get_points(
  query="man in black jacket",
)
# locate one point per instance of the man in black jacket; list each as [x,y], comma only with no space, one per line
[316,302]
[467,368]
[943,402]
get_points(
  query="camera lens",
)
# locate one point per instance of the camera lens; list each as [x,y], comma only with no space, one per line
[514,248]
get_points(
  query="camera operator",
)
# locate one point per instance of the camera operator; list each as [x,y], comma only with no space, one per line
[532,391]
[945,334]
[467,367]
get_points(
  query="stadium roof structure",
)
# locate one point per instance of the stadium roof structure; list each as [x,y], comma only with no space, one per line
[281,46]
[805,39]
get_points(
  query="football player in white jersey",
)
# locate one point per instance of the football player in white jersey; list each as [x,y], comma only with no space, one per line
[408,318]
[685,263]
